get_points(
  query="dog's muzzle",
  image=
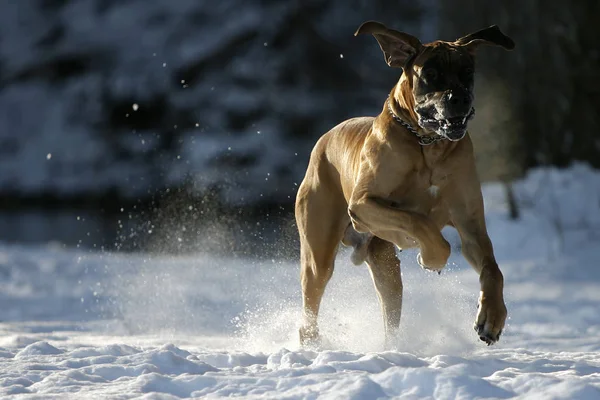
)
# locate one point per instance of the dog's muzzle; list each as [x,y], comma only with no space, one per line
[453,129]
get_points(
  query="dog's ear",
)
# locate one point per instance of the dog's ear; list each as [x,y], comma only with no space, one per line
[398,47]
[490,36]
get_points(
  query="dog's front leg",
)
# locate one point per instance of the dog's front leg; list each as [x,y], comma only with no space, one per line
[467,215]
[370,213]
[477,249]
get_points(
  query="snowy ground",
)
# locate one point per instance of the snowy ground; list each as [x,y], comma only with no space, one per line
[92,325]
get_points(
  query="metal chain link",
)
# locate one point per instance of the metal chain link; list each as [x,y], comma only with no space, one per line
[423,139]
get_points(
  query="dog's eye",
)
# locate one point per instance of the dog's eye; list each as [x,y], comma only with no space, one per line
[430,74]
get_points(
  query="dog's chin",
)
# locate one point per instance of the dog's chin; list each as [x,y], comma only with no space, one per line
[453,133]
[453,129]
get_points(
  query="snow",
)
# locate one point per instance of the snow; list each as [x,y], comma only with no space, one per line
[117,326]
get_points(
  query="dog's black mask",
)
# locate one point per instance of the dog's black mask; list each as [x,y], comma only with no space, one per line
[443,90]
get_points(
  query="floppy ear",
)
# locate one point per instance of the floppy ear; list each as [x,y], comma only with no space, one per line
[490,36]
[397,47]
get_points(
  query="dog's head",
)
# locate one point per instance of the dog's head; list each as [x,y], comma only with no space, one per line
[438,77]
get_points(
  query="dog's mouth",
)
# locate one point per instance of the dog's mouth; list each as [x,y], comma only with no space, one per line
[452,129]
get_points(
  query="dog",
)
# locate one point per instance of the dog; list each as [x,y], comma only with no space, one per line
[395,180]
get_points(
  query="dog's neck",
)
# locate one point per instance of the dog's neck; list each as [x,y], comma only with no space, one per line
[400,104]
[424,140]
[403,102]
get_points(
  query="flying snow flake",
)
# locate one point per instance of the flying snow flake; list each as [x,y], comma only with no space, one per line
[48,156]
[135,106]
[341,56]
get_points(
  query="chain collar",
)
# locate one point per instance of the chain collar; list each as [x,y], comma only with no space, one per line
[424,140]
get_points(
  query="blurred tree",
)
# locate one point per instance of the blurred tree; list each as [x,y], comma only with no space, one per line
[141,96]
[539,104]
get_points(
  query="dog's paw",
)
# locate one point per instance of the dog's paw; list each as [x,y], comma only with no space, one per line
[309,337]
[436,268]
[434,258]
[490,319]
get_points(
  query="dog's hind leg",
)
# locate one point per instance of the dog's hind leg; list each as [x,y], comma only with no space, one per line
[321,223]
[384,266]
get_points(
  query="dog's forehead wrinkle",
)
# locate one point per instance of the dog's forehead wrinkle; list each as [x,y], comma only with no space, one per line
[442,55]
[446,61]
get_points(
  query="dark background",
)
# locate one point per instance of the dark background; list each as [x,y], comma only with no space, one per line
[185,125]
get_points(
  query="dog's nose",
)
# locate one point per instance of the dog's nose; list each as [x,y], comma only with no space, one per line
[457,102]
[457,98]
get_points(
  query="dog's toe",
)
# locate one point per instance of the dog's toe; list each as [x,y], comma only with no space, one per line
[421,263]
[485,336]
[478,329]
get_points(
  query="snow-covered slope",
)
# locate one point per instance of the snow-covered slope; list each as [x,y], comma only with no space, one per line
[93,325]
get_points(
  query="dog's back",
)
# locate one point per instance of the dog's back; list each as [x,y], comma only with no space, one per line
[336,156]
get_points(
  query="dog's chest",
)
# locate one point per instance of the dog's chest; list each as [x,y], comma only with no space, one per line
[434,168]
[422,189]
[417,193]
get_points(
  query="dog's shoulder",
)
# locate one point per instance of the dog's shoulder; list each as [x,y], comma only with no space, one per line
[352,127]
[345,134]
[340,147]
[352,131]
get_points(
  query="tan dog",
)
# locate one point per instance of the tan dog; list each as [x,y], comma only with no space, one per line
[398,179]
